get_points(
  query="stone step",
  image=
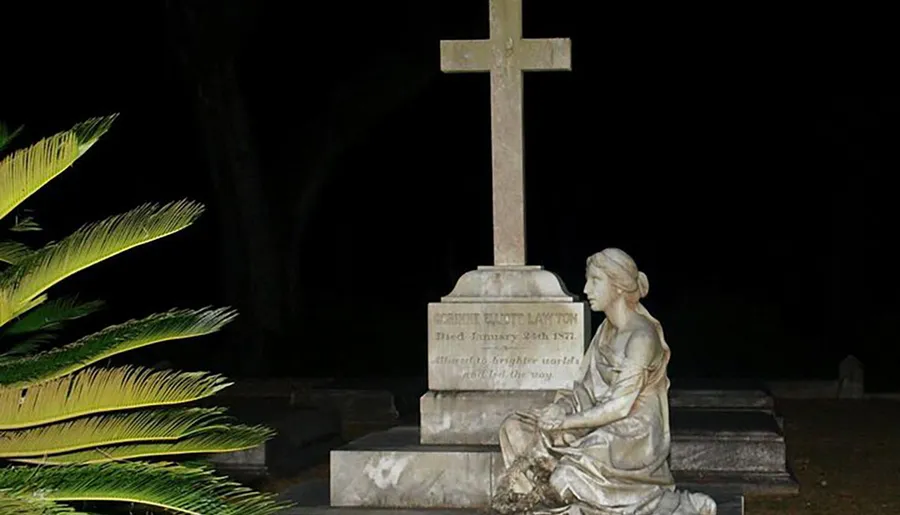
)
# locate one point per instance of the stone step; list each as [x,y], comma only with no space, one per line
[312,498]
[722,399]
[392,469]
[726,441]
[305,436]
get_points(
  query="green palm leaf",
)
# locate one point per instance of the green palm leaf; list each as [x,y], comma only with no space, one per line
[26,347]
[234,438]
[51,314]
[10,504]
[12,251]
[110,429]
[99,390]
[113,340]
[193,491]
[22,283]
[25,171]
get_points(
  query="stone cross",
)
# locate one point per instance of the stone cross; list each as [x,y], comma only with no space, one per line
[507,55]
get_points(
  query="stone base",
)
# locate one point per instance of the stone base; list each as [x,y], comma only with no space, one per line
[474,418]
[526,283]
[311,498]
[392,469]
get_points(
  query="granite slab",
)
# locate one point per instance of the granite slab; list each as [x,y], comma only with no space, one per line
[311,498]
[392,469]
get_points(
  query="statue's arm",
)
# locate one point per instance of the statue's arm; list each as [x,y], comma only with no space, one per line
[624,391]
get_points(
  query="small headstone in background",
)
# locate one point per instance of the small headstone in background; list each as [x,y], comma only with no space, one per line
[851,381]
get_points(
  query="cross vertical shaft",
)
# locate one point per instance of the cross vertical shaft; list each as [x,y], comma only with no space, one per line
[506,55]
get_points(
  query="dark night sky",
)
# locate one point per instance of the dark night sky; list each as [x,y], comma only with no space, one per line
[760,208]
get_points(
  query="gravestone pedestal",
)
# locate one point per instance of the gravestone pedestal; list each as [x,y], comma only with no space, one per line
[506,339]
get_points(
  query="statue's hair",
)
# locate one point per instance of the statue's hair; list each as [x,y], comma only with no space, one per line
[622,272]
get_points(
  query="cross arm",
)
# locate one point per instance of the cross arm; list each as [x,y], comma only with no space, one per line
[466,55]
[545,54]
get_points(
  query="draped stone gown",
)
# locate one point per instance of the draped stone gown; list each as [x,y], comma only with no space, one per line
[620,468]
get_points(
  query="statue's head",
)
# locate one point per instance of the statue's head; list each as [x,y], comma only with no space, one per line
[611,274]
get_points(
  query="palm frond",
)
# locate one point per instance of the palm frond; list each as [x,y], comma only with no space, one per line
[234,438]
[101,390]
[6,314]
[25,171]
[23,348]
[12,251]
[160,327]
[87,246]
[161,425]
[192,491]
[51,314]
[32,505]
[37,327]
[89,131]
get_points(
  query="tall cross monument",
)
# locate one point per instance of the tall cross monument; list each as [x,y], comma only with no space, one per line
[506,338]
[506,55]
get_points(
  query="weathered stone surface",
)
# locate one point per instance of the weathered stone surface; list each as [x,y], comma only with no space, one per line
[384,470]
[505,346]
[392,469]
[727,453]
[312,497]
[474,417]
[505,56]
[526,283]
[244,464]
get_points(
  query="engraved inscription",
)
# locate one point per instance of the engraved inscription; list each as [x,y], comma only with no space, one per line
[547,318]
[505,345]
[492,337]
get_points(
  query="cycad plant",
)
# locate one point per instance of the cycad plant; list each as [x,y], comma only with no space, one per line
[72,430]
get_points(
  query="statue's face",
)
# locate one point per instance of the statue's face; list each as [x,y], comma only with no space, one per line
[598,289]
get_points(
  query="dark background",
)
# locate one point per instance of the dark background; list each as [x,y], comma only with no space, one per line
[348,179]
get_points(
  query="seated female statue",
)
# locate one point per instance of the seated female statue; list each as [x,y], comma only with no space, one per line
[602,447]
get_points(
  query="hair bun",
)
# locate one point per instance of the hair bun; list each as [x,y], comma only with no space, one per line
[643,284]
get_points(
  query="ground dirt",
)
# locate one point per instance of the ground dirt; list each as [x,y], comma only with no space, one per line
[844,453]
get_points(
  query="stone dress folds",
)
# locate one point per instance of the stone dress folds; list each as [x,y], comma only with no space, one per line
[620,468]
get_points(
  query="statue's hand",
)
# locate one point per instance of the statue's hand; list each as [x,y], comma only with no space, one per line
[551,417]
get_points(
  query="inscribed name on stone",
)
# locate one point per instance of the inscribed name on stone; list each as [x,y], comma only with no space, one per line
[505,346]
